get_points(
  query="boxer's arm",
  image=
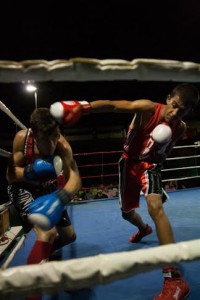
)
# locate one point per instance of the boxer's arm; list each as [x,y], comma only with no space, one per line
[73,183]
[69,112]
[122,106]
[15,169]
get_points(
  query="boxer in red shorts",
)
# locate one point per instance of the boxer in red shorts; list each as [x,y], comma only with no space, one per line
[144,151]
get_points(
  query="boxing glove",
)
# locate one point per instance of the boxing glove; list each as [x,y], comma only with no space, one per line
[46,211]
[69,112]
[42,169]
[162,133]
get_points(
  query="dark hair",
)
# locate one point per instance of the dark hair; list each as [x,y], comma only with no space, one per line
[188,93]
[42,121]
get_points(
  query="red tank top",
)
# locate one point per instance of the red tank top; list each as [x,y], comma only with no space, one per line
[139,144]
[29,147]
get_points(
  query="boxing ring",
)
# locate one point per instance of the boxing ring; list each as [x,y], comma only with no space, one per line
[102,264]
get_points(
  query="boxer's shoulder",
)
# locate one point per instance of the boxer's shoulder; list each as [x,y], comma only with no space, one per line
[20,137]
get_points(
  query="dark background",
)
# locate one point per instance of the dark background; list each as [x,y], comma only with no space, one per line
[96,29]
[101,29]
[93,29]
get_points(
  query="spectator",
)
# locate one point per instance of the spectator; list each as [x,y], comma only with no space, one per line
[100,195]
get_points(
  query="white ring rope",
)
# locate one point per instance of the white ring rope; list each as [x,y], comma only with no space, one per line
[183,157]
[186,146]
[5,153]
[183,168]
[181,178]
[7,111]
[86,272]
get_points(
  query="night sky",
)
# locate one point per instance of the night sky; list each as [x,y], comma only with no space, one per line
[101,29]
[94,29]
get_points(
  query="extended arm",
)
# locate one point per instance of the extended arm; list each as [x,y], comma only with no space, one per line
[121,106]
[69,112]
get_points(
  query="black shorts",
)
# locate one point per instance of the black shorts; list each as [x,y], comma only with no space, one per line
[136,176]
[21,197]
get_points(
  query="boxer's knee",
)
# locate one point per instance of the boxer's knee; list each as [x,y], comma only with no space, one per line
[128,215]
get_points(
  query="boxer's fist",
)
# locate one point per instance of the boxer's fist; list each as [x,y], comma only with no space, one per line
[46,211]
[162,133]
[44,169]
[69,112]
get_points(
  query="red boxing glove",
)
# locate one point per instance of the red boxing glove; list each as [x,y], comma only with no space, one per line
[69,112]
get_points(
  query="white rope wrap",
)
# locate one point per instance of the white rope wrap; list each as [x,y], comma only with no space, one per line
[88,69]
[51,277]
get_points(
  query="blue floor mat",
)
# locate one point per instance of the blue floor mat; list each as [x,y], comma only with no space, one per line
[100,229]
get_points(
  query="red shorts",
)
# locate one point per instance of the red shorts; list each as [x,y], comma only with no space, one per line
[134,177]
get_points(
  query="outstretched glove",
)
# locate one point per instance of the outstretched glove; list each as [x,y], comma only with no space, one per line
[46,211]
[68,113]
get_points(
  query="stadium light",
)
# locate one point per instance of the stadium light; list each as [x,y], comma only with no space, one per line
[31,88]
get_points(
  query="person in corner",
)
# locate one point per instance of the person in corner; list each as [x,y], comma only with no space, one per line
[43,177]
[154,130]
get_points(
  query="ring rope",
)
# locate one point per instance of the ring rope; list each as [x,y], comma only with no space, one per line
[8,112]
[113,175]
[183,157]
[86,272]
[183,168]
[102,175]
[120,151]
[98,165]
[186,146]
[103,165]
[181,178]
[5,153]
[95,153]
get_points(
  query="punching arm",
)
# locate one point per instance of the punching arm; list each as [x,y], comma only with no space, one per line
[69,112]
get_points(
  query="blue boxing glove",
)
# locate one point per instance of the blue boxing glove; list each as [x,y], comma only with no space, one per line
[44,168]
[46,211]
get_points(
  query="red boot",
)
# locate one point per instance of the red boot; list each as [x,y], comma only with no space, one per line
[140,234]
[174,287]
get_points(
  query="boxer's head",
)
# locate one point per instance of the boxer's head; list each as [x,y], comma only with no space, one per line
[182,100]
[45,129]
